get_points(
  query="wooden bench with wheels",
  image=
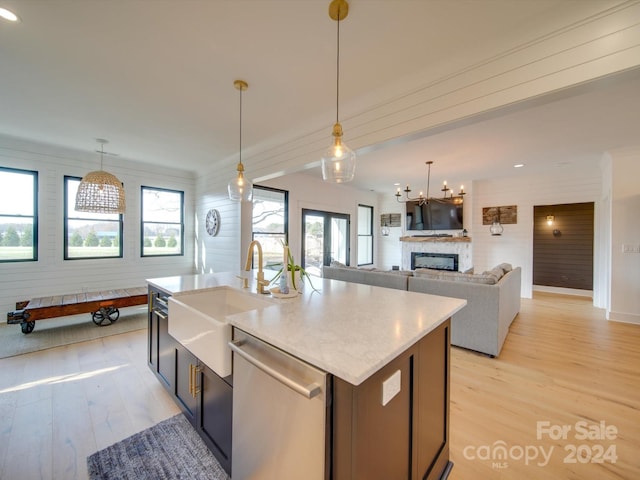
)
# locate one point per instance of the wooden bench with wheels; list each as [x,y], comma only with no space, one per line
[104,306]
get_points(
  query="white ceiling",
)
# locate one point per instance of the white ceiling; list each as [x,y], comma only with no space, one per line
[155,78]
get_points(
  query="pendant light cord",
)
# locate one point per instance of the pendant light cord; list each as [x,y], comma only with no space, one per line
[428,181]
[101,154]
[338,70]
[240,129]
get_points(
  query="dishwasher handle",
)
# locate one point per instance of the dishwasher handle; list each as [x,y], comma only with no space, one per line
[308,391]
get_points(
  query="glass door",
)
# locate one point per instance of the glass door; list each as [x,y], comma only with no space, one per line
[325,237]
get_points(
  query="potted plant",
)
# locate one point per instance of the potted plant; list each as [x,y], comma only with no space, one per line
[295,273]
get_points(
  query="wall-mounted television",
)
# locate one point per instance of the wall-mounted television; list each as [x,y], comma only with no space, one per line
[438,214]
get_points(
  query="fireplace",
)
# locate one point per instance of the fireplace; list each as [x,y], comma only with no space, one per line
[436,261]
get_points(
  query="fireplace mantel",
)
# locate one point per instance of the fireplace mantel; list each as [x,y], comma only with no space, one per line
[435,239]
[458,245]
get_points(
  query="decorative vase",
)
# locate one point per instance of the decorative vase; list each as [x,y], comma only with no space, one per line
[295,280]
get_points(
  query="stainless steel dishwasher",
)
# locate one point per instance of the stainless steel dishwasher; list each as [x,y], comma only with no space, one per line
[279,413]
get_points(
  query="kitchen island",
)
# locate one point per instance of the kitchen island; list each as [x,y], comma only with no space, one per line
[385,355]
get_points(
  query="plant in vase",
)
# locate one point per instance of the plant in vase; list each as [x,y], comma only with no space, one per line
[295,273]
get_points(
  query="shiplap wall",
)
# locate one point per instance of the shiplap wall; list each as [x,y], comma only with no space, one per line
[51,274]
[578,181]
[227,250]
[563,251]
[220,253]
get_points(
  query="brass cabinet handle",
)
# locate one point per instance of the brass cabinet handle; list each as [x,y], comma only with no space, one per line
[196,387]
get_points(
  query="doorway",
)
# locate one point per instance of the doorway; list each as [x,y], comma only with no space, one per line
[563,238]
[325,237]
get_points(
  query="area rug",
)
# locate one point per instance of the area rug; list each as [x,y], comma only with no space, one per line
[55,332]
[169,450]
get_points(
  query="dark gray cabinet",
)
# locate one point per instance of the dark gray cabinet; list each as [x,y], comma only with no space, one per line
[186,388]
[204,398]
[368,435]
[215,414]
[161,345]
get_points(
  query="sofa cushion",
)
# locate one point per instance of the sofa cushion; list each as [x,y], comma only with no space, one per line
[337,264]
[484,279]
[427,272]
[406,273]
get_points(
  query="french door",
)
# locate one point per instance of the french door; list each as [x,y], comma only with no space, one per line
[325,237]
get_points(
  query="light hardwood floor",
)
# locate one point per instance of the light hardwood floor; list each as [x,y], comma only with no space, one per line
[562,363]
[60,405]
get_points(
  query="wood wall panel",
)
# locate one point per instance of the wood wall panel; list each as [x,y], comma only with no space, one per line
[564,258]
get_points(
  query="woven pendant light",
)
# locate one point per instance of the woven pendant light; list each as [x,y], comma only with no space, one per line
[100,191]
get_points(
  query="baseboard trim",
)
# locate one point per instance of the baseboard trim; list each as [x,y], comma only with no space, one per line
[563,291]
[624,317]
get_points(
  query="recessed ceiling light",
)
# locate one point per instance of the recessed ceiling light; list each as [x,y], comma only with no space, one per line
[518,165]
[396,184]
[8,15]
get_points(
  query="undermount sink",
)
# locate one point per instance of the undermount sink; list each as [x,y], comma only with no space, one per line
[198,321]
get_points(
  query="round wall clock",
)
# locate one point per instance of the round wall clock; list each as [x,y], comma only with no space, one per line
[212,222]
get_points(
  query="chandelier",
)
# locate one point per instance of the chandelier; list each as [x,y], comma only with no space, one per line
[423,199]
[100,191]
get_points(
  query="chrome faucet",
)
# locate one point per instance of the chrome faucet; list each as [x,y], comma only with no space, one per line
[261,281]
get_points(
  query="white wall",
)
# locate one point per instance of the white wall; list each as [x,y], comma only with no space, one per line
[312,193]
[625,230]
[51,274]
[222,252]
[577,182]
[390,248]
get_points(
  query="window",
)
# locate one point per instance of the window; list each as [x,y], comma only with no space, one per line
[270,223]
[162,222]
[88,234]
[18,215]
[365,235]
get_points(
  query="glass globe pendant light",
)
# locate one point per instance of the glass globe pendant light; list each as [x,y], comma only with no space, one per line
[339,161]
[240,189]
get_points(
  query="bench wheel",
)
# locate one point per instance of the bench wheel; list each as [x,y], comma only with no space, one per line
[27,327]
[105,316]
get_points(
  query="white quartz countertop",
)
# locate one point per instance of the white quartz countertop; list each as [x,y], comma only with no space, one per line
[197,282]
[347,329]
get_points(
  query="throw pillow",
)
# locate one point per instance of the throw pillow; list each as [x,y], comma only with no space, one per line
[506,267]
[496,272]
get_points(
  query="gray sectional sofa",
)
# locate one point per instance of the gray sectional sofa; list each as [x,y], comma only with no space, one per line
[493,299]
